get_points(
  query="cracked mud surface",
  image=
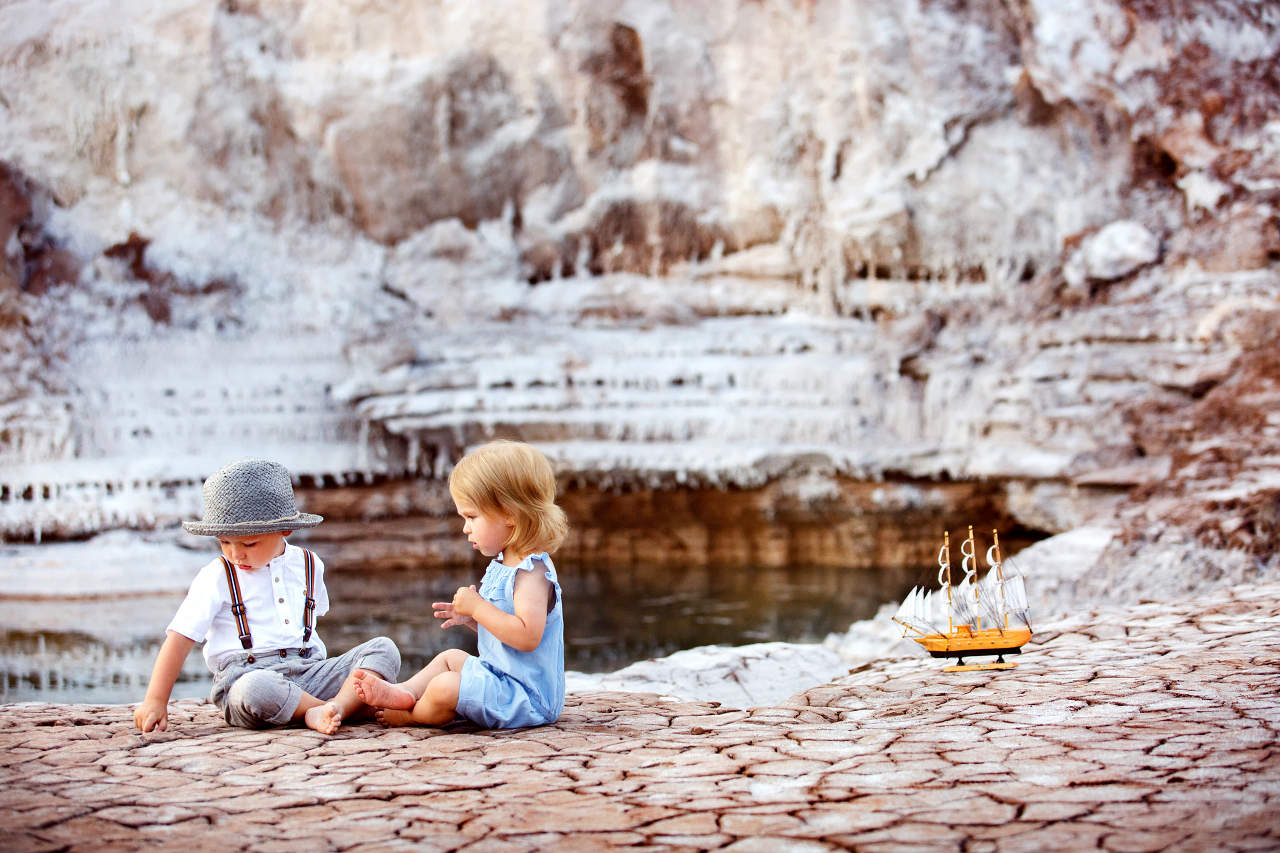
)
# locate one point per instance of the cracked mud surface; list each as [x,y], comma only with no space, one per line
[1138,729]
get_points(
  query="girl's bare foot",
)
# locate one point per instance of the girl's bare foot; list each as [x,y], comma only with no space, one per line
[376,692]
[326,718]
[388,717]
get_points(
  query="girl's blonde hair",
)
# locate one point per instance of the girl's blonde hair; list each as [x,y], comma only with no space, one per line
[514,479]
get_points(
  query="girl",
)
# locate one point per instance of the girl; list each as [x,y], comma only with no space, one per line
[505,492]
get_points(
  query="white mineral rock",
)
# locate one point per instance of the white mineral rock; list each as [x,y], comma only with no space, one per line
[1114,252]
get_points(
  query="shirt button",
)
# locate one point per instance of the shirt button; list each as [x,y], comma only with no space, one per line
[281,600]
[286,621]
[277,580]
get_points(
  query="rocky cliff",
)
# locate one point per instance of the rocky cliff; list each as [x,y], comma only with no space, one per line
[862,269]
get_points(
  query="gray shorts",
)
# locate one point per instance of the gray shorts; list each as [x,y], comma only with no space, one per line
[267,691]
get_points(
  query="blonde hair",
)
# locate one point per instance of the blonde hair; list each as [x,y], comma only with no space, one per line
[514,479]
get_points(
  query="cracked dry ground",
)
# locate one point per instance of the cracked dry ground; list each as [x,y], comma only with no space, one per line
[1145,728]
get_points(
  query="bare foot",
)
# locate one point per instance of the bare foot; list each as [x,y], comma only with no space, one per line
[389,717]
[326,718]
[377,693]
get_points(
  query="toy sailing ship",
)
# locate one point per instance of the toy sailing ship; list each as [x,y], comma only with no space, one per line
[975,612]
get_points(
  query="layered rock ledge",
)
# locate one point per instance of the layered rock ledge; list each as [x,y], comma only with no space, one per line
[1152,727]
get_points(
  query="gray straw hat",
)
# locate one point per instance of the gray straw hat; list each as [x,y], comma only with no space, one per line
[247,498]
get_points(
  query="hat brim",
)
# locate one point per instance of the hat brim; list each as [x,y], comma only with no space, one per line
[252,528]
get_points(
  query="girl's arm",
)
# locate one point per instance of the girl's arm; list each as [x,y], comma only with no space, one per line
[521,630]
[153,711]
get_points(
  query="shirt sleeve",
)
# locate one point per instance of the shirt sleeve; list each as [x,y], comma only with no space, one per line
[204,599]
[322,592]
[530,563]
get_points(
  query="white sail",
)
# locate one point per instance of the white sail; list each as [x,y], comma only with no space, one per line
[1015,596]
[908,611]
[917,614]
[942,603]
[962,604]
[992,561]
[907,608]
[968,560]
[991,600]
[917,604]
[933,613]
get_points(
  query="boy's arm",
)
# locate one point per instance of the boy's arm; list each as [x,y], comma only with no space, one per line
[521,630]
[153,711]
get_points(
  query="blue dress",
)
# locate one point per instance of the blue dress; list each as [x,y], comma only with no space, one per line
[505,688]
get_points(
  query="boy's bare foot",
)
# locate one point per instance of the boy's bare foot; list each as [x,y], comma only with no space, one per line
[388,717]
[377,693]
[326,718]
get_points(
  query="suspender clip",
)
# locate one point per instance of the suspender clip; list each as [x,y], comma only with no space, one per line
[308,618]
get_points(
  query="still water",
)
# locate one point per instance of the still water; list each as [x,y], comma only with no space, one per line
[100,649]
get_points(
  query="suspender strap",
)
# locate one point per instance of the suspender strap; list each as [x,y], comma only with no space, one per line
[242,618]
[237,605]
[309,609]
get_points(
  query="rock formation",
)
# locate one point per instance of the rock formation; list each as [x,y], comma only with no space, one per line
[852,265]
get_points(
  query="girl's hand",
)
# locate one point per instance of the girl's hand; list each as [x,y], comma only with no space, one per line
[466,600]
[445,610]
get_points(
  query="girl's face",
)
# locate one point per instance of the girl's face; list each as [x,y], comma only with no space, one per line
[252,552]
[488,532]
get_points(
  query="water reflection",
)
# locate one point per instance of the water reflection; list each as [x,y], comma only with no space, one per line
[102,650]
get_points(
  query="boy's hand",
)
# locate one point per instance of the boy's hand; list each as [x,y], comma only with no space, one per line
[466,600]
[153,711]
[151,714]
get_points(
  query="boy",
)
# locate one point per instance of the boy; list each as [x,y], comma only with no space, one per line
[254,608]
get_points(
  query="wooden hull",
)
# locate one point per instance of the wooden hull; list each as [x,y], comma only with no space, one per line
[964,642]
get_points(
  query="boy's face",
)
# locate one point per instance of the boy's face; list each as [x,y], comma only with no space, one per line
[253,552]
[487,532]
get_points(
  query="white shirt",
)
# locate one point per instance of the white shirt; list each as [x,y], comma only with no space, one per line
[273,597]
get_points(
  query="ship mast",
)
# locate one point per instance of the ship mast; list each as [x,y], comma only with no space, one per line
[944,574]
[995,548]
[969,563]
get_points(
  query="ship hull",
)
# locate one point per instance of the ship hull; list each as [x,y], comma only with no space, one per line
[1015,650]
[964,642]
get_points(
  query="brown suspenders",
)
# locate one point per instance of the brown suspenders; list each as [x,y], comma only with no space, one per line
[237,604]
[309,608]
[237,600]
